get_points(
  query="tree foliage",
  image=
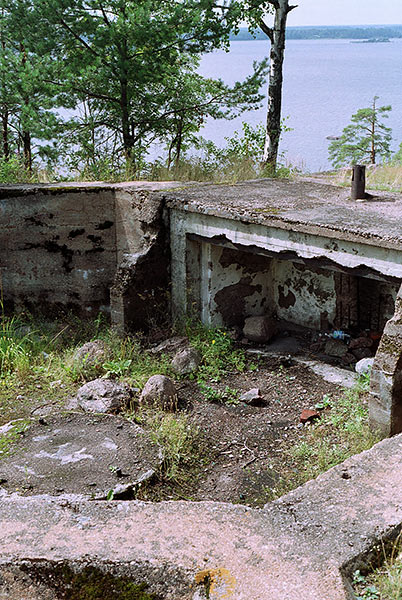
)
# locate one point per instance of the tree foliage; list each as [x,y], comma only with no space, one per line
[365,139]
[128,67]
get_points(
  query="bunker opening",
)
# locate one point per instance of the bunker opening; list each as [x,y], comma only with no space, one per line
[312,299]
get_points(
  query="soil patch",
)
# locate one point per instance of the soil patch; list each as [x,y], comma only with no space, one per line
[245,445]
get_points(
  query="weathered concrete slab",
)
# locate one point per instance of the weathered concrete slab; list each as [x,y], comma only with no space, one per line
[85,455]
[300,547]
[300,206]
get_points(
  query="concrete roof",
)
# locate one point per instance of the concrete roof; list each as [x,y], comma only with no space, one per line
[303,205]
[300,205]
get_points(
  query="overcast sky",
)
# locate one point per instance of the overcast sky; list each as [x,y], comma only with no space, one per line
[346,12]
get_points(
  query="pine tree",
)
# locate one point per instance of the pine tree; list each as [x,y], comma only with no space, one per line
[366,138]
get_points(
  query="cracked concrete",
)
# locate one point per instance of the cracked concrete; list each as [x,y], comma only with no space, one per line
[300,547]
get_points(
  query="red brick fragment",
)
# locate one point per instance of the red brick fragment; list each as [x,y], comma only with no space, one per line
[309,415]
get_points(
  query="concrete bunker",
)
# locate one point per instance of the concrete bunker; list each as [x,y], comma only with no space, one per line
[260,246]
[320,295]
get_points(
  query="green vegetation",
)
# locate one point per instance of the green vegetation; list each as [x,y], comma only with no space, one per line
[342,432]
[383,581]
[90,583]
[387,177]
[365,140]
[40,368]
[219,356]
[126,72]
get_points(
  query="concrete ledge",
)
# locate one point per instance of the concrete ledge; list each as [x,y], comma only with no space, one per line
[300,547]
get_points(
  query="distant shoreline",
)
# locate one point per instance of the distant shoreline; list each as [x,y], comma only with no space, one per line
[350,32]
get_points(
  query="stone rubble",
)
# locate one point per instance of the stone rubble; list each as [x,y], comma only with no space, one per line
[104,396]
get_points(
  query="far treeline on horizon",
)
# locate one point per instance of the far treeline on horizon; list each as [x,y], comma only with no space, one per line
[321,32]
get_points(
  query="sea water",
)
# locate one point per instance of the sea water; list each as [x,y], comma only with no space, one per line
[325,82]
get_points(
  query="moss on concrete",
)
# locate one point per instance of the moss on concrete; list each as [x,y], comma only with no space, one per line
[91,583]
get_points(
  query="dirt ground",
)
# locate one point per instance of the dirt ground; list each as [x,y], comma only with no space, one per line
[245,444]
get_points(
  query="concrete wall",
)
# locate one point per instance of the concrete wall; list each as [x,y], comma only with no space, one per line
[302,264]
[386,377]
[57,248]
[303,295]
[84,247]
[225,285]
[233,285]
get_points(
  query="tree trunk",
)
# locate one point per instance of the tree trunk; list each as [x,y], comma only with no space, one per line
[179,141]
[373,149]
[27,150]
[6,145]
[128,141]
[277,37]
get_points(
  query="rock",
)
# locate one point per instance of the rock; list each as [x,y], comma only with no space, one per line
[92,354]
[159,391]
[104,396]
[259,329]
[361,353]
[186,361]
[171,345]
[252,397]
[308,416]
[361,342]
[364,366]
[336,348]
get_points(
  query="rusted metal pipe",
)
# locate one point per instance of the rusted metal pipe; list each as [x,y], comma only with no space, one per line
[359,182]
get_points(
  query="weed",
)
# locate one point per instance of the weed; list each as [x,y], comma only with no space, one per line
[9,439]
[384,582]
[366,592]
[116,368]
[217,350]
[325,403]
[226,396]
[342,432]
[179,440]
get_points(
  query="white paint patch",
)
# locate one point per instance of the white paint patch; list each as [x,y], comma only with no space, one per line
[109,444]
[25,469]
[40,438]
[64,456]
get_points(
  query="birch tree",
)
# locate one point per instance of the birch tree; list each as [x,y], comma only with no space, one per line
[256,12]
[277,36]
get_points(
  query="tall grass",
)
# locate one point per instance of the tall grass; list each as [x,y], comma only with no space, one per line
[381,177]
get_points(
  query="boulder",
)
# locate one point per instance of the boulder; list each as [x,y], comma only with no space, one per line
[364,366]
[159,391]
[104,396]
[259,329]
[92,354]
[186,361]
[171,345]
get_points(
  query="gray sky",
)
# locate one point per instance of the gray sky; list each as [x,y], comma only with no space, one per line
[346,12]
